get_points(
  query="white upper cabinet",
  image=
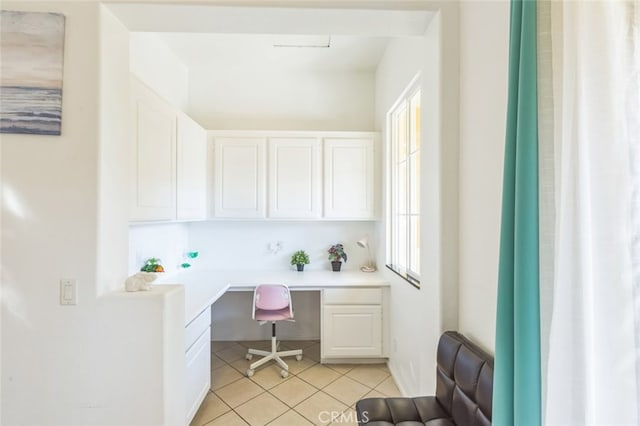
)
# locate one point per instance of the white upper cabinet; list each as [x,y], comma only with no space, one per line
[349,178]
[239,177]
[154,156]
[192,169]
[311,175]
[169,160]
[294,177]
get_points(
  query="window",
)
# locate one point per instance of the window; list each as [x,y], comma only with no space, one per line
[403,198]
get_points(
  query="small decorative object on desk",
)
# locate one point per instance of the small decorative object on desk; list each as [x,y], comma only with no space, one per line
[140,281]
[152,265]
[336,255]
[189,255]
[300,258]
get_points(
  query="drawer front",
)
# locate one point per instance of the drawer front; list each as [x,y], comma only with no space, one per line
[198,374]
[352,296]
[196,327]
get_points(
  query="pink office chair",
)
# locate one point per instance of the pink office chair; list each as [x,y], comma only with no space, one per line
[272,302]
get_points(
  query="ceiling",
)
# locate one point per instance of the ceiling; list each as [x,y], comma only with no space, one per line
[206,35]
[344,54]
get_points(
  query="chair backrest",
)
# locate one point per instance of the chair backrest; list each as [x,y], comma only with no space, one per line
[271,297]
[464,380]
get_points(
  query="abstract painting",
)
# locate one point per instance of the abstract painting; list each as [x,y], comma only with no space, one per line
[31,60]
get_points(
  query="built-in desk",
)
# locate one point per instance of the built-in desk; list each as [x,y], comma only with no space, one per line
[353,315]
[203,287]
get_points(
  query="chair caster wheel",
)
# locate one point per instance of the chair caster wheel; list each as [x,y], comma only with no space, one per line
[284,373]
[248,357]
[249,372]
[298,357]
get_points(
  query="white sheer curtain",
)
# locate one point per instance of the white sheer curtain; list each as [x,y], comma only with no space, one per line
[591,166]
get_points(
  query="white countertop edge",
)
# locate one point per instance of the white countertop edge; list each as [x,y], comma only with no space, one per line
[192,313]
[248,278]
[204,286]
[155,291]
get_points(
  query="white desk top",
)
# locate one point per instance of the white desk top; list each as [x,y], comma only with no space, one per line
[205,286]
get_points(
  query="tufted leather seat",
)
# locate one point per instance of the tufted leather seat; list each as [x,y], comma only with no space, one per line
[463,397]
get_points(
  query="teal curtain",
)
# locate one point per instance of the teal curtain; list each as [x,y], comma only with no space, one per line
[517,383]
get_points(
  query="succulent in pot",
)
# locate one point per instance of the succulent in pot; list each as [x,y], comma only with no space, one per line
[300,258]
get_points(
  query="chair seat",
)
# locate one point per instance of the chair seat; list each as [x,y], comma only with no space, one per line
[402,411]
[268,315]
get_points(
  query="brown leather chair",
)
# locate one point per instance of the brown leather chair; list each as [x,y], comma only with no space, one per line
[463,397]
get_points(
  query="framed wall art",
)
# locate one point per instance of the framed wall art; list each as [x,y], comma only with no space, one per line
[31,72]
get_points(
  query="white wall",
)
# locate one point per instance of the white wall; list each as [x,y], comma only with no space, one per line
[484,42]
[113,173]
[168,242]
[49,233]
[418,317]
[409,317]
[64,216]
[128,327]
[2,207]
[266,98]
[155,64]
[245,245]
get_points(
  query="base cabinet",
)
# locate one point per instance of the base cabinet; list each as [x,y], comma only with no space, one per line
[352,324]
[352,331]
[198,362]
[198,380]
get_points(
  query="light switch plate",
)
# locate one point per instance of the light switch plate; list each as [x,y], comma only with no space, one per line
[68,292]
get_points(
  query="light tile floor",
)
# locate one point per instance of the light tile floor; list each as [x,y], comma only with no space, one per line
[312,394]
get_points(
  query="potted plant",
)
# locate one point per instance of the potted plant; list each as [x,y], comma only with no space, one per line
[152,265]
[300,258]
[336,255]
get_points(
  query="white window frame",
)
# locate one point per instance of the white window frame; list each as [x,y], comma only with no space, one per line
[403,259]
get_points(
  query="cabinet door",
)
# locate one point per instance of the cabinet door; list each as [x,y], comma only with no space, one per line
[198,373]
[192,169]
[349,178]
[240,177]
[351,331]
[154,157]
[294,178]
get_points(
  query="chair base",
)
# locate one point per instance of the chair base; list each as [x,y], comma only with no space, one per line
[273,355]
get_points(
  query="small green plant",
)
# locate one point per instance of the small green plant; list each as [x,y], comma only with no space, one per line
[300,258]
[152,265]
[336,253]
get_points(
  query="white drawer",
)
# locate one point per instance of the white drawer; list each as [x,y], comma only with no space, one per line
[352,296]
[196,327]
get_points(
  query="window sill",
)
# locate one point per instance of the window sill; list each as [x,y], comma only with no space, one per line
[402,274]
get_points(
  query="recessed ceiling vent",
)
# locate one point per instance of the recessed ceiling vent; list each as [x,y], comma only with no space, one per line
[303,41]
